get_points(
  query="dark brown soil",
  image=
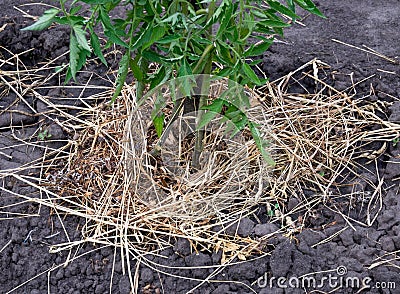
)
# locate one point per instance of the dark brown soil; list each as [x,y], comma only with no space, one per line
[358,22]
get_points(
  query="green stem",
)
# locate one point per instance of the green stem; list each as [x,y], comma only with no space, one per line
[205,54]
[133,25]
[139,90]
[205,85]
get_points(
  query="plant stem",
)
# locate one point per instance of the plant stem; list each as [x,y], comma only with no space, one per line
[205,86]
[139,90]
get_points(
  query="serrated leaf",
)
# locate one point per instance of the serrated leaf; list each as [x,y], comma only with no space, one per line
[109,29]
[82,56]
[184,69]
[282,9]
[160,77]
[260,143]
[81,37]
[75,10]
[105,19]
[264,30]
[136,70]
[169,39]
[250,74]
[310,6]
[61,20]
[142,38]
[213,110]
[223,52]
[258,13]
[158,122]
[200,40]
[114,38]
[73,55]
[226,19]
[186,83]
[121,77]
[76,19]
[156,34]
[237,117]
[153,56]
[95,42]
[258,49]
[44,21]
[159,105]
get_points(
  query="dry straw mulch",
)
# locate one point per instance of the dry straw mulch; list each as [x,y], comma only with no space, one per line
[105,175]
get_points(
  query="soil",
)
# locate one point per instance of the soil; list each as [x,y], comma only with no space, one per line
[355,248]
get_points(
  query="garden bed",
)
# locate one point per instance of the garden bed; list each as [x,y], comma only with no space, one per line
[52,144]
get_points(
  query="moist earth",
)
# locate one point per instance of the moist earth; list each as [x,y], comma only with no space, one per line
[354,249]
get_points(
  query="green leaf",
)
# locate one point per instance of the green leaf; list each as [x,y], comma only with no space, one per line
[95,42]
[169,39]
[274,23]
[58,68]
[186,83]
[144,37]
[75,10]
[259,14]
[81,37]
[73,55]
[61,20]
[290,4]
[310,6]
[264,30]
[156,34]
[282,9]
[250,74]
[223,52]
[109,29]
[213,110]
[158,122]
[237,117]
[224,72]
[121,77]
[82,56]
[255,62]
[105,19]
[44,21]
[160,77]
[205,119]
[153,56]
[114,38]
[184,69]
[260,143]
[226,19]
[95,2]
[75,19]
[137,71]
[258,49]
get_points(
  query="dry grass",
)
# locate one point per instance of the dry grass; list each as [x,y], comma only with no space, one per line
[105,174]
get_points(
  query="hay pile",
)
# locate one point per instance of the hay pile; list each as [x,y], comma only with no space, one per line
[105,174]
